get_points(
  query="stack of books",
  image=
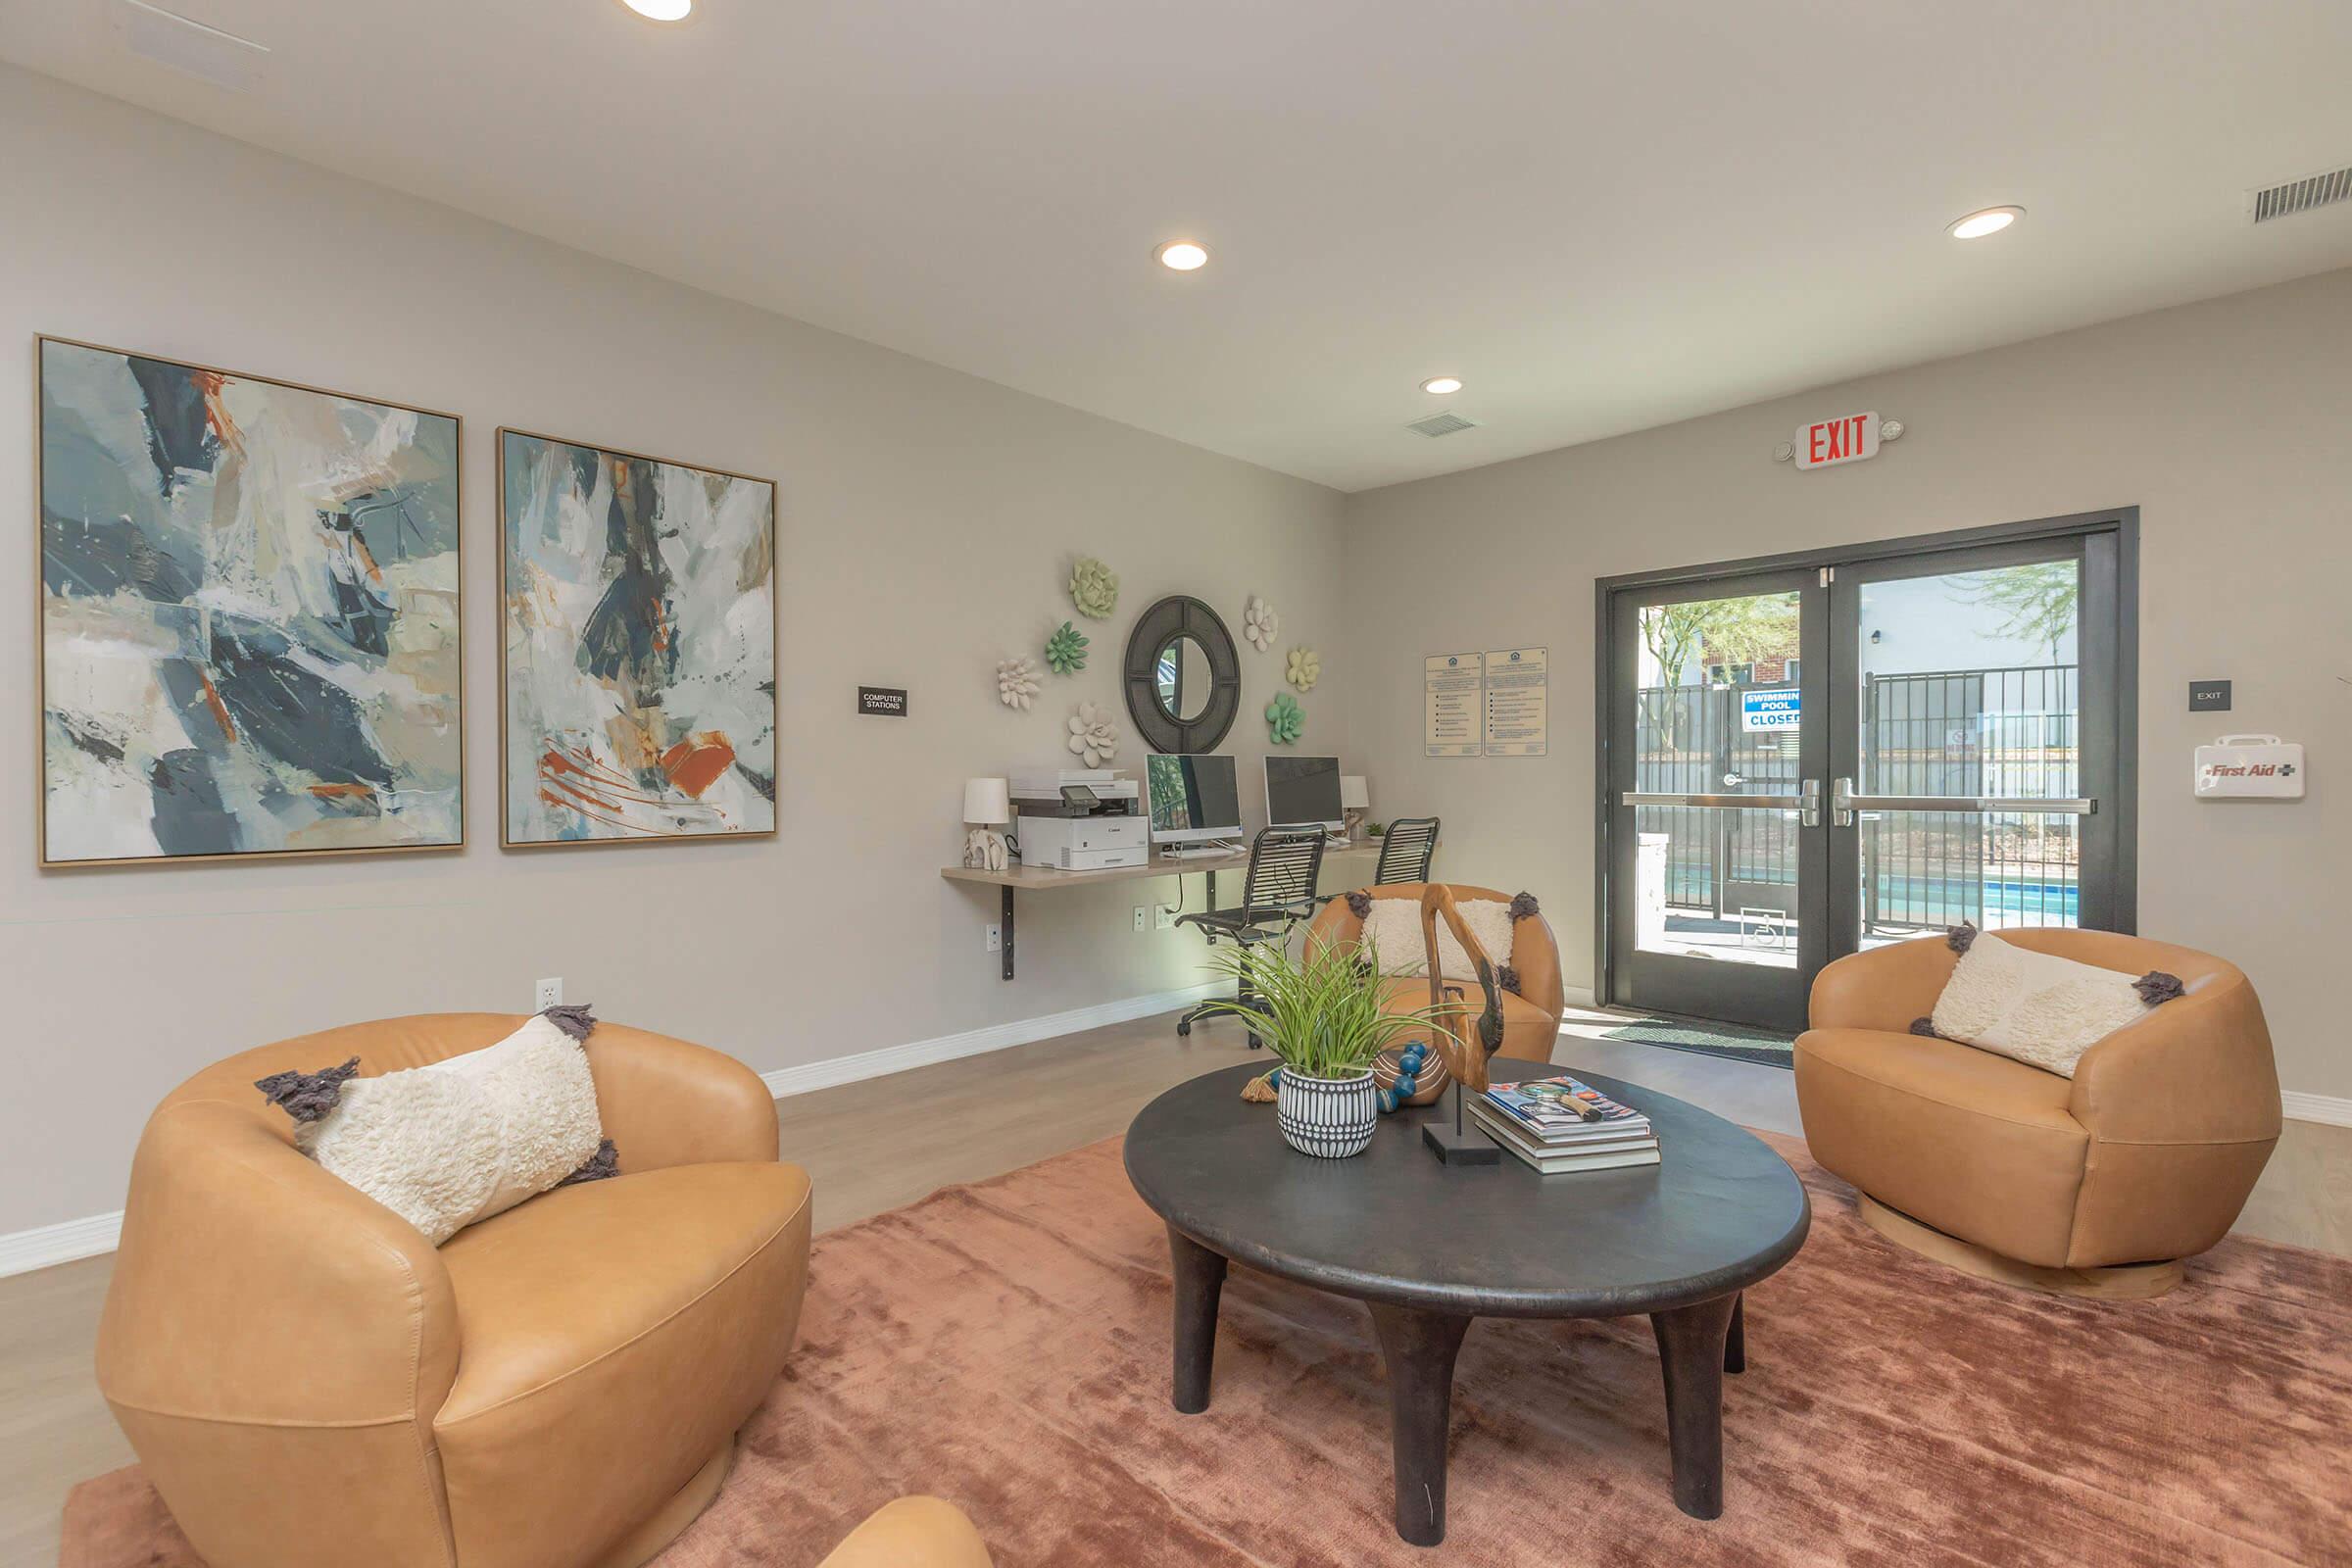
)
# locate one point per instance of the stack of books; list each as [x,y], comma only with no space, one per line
[1563,1124]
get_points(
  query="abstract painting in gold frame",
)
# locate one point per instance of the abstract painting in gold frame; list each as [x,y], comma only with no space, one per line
[250,620]
[638,647]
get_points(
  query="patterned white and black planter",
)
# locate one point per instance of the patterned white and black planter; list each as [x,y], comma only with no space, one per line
[1329,1118]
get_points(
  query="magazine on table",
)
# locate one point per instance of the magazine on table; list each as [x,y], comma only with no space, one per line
[1566,1109]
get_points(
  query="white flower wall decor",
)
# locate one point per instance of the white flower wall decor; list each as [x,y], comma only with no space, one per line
[1304,669]
[1093,736]
[1260,623]
[1016,683]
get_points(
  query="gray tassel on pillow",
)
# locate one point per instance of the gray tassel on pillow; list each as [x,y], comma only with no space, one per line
[2156,987]
[1359,905]
[572,1020]
[1925,1027]
[1959,937]
[606,1162]
[1507,977]
[1523,906]
[308,1096]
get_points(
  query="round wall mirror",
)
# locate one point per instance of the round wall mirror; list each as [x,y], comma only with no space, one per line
[1184,677]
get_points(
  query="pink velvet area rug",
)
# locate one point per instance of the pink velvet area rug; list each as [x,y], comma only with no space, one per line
[1005,1346]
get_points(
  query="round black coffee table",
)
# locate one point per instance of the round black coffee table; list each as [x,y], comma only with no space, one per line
[1429,1247]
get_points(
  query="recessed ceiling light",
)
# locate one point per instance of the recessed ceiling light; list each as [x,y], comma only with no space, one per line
[661,9]
[1183,256]
[1991,220]
[1443,385]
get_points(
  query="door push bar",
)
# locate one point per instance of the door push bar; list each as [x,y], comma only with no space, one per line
[1844,803]
[1806,803]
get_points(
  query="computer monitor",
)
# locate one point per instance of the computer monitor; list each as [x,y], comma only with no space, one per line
[1303,792]
[1194,799]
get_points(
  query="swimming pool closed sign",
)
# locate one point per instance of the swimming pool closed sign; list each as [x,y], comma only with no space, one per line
[1782,710]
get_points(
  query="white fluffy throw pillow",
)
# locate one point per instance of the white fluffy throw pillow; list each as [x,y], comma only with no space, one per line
[2036,1008]
[1392,930]
[454,1141]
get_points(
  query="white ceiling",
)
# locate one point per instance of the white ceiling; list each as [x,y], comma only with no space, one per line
[1602,217]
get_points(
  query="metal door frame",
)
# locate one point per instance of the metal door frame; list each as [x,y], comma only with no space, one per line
[2107,650]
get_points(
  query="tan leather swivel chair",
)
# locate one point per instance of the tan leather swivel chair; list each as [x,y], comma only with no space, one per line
[912,1533]
[306,1380]
[1531,1014]
[2093,1185]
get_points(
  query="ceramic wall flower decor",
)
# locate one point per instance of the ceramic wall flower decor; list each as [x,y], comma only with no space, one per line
[1094,588]
[1259,623]
[1284,720]
[1017,682]
[1304,669]
[1093,736]
[1065,650]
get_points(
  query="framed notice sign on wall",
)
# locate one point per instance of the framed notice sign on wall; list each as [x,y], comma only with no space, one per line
[1451,688]
[1518,701]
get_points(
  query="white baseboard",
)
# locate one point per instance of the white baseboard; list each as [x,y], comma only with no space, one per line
[978,1041]
[1579,997]
[2325,1108]
[23,1252]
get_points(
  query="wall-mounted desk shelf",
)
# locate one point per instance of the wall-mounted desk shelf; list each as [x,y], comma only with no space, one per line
[1034,878]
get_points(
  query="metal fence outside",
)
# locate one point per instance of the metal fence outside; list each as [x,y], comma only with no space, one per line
[2006,732]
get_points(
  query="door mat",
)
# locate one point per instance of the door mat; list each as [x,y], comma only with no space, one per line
[1710,1039]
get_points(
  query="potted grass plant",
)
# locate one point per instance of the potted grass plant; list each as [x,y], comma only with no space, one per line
[1322,1016]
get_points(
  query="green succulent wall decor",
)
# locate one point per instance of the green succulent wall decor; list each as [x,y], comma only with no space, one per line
[1065,650]
[1284,720]
[1094,588]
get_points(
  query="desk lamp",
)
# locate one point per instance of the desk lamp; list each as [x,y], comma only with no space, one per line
[987,808]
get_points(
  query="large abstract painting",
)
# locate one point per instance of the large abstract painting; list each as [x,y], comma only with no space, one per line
[249,638]
[640,647]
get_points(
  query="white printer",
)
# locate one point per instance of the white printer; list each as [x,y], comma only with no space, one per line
[1080,819]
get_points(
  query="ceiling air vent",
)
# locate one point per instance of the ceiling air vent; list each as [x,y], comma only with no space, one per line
[185,44]
[1446,424]
[2290,197]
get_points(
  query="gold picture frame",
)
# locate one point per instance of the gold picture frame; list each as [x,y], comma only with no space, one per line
[50,607]
[628,802]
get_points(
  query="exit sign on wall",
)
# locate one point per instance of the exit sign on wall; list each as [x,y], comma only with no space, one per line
[1848,438]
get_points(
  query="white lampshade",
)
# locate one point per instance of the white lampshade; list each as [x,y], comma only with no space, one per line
[987,802]
[1354,796]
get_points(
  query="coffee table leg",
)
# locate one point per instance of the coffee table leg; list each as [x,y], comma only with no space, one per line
[1693,1349]
[1735,1340]
[1419,1348]
[1199,1279]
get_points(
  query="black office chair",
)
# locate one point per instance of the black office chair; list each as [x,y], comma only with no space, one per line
[1407,850]
[1278,893]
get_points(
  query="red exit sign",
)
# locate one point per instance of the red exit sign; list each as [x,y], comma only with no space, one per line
[1848,438]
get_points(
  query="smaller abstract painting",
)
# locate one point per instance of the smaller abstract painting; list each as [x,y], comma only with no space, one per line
[249,623]
[639,642]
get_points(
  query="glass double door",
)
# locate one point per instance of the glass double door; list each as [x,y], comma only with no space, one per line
[1807,761]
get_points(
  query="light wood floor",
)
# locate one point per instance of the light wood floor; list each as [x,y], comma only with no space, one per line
[1001,1112]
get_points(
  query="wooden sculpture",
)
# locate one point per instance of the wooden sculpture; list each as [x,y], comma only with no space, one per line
[1465,1057]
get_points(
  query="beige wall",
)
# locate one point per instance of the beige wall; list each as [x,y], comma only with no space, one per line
[927,519]
[2229,424]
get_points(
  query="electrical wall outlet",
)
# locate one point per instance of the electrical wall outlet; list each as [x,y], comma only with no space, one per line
[995,938]
[1163,916]
[546,993]
[1142,916]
